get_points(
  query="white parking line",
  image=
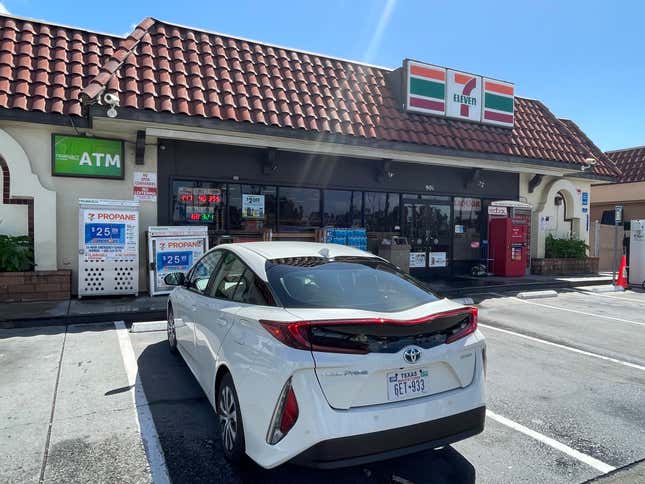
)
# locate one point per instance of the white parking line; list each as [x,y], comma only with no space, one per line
[145,423]
[572,310]
[587,293]
[565,347]
[587,459]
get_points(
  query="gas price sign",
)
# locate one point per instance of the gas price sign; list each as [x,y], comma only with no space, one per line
[200,204]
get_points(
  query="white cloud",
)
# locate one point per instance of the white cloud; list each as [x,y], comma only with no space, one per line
[3,9]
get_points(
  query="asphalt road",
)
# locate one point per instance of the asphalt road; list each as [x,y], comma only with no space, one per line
[566,388]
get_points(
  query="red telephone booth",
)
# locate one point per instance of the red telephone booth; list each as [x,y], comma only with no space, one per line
[509,233]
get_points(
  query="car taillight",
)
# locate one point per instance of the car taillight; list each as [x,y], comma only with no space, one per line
[466,328]
[298,335]
[285,414]
[291,334]
[362,336]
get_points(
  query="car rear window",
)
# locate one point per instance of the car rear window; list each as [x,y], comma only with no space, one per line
[353,283]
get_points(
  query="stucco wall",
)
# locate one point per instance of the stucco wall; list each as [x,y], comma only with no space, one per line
[549,218]
[630,195]
[13,218]
[36,142]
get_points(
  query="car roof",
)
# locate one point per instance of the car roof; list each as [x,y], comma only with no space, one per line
[255,254]
[284,249]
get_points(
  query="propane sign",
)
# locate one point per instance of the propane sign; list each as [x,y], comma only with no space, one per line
[108,247]
[173,249]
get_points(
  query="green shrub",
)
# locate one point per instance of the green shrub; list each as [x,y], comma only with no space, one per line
[565,248]
[16,253]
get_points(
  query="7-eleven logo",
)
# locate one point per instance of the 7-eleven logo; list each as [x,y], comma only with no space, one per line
[464,96]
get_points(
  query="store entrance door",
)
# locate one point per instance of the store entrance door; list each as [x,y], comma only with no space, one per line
[427,224]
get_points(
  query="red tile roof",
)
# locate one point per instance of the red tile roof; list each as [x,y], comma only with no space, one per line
[44,67]
[605,164]
[170,69]
[631,163]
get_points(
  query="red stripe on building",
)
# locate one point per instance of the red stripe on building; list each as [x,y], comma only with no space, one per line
[427,72]
[427,104]
[498,88]
[502,118]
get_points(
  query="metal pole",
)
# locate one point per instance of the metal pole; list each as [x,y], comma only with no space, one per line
[596,239]
[613,273]
[618,218]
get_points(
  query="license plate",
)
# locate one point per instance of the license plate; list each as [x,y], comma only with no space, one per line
[405,384]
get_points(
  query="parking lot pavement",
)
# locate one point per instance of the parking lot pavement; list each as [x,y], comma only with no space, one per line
[566,389]
[66,412]
[611,326]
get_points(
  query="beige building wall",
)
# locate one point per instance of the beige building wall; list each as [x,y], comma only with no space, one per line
[630,195]
[35,140]
[550,219]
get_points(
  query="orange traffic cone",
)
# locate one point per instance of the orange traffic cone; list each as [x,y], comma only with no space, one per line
[622,274]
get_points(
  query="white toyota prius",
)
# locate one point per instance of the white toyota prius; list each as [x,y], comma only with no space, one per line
[325,355]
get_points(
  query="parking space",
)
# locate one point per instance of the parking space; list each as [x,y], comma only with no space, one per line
[566,386]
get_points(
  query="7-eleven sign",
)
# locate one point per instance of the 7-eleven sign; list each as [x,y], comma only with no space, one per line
[464,96]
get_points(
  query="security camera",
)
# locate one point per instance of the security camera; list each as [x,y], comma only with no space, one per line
[111,99]
[588,163]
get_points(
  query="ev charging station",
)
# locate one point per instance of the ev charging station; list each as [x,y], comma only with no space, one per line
[108,255]
[173,249]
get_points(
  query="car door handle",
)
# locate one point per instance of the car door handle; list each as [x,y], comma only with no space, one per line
[194,308]
[221,321]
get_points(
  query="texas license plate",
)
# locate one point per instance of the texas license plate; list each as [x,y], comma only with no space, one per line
[404,384]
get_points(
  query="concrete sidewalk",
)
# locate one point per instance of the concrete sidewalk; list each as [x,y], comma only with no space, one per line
[110,308]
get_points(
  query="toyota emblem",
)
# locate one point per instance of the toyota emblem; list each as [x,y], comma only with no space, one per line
[412,355]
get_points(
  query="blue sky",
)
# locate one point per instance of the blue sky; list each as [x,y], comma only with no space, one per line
[581,58]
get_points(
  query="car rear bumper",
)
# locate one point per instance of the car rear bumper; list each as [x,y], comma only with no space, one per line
[388,444]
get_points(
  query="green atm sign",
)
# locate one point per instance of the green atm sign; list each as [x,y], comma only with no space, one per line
[82,156]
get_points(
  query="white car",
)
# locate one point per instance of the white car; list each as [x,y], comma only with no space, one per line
[325,355]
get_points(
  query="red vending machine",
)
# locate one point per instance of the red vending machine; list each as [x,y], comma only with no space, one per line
[509,236]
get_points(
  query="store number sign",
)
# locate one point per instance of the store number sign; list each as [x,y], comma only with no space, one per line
[80,156]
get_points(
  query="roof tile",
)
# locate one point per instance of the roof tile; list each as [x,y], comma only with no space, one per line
[630,162]
[172,69]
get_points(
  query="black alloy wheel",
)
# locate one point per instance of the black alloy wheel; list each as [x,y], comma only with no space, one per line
[230,421]
[172,332]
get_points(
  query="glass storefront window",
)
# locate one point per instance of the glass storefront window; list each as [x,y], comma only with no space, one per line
[467,228]
[343,208]
[251,208]
[199,202]
[299,208]
[381,212]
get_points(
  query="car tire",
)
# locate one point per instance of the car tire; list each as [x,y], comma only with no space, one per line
[230,421]
[171,331]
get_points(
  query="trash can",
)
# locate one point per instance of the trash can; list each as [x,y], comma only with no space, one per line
[397,251]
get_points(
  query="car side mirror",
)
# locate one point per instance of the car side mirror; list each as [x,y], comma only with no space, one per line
[175,279]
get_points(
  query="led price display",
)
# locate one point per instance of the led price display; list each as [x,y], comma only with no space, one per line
[202,217]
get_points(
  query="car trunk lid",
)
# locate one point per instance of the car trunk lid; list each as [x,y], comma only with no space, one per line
[360,356]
